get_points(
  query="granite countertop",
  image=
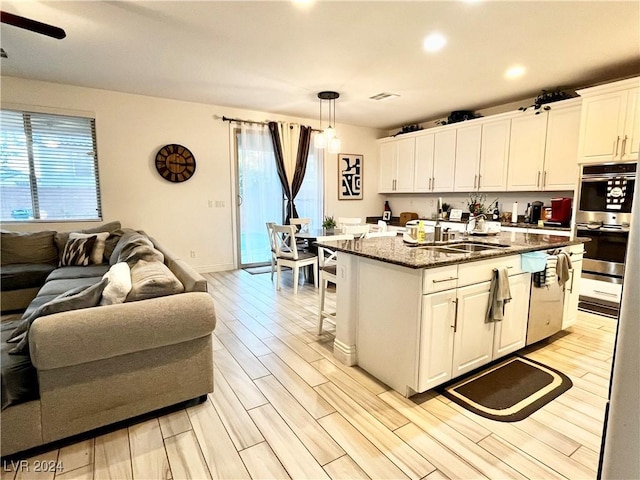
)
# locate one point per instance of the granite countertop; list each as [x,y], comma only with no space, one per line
[395,221]
[394,250]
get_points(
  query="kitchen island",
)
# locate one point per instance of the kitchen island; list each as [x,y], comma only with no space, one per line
[414,317]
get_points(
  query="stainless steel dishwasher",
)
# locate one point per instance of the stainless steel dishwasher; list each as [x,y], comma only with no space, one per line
[545,311]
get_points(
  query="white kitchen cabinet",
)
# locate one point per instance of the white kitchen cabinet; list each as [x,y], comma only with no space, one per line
[397,164]
[543,149]
[436,339]
[494,156]
[444,158]
[572,294]
[610,122]
[560,171]
[467,163]
[511,333]
[423,178]
[473,343]
[526,152]
[572,286]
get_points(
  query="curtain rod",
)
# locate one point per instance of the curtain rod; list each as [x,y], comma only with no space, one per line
[256,122]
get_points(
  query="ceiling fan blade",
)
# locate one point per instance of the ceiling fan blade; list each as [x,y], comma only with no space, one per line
[32,25]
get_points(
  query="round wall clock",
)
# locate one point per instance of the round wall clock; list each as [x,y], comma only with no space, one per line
[175,163]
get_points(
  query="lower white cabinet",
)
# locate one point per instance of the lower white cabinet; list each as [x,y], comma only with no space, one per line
[511,333]
[454,338]
[436,338]
[473,344]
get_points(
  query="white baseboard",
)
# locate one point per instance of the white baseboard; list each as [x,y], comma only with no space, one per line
[346,354]
[214,268]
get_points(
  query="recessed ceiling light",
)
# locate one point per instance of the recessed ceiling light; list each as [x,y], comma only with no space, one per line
[515,71]
[434,42]
[303,2]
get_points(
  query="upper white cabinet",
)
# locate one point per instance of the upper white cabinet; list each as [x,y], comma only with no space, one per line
[526,151]
[423,180]
[561,151]
[494,155]
[397,163]
[467,163]
[610,122]
[543,148]
[444,160]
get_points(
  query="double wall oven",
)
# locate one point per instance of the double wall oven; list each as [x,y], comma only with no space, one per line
[604,214]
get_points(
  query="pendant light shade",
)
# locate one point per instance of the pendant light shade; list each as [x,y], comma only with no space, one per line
[327,138]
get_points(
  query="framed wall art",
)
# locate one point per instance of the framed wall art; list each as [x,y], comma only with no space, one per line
[350,176]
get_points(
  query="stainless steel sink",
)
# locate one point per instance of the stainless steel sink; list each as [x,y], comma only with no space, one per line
[462,247]
[475,247]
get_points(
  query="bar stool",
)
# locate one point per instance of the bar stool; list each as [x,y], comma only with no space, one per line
[327,264]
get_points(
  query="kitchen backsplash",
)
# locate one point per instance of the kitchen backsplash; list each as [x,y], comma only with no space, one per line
[425,205]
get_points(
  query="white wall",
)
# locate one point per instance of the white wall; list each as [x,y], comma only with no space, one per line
[131,129]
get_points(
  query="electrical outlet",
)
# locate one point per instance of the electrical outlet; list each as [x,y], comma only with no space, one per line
[219,203]
[193,254]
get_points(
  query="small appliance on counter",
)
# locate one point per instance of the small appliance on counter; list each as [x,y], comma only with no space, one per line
[560,212]
[535,213]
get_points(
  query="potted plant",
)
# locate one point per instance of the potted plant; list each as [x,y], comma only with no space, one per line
[329,224]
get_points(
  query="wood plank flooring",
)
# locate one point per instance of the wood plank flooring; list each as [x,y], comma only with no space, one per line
[283,407]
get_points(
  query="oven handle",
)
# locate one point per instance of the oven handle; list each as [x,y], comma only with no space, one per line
[586,179]
[603,229]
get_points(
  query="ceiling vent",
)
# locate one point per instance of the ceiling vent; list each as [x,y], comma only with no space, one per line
[384,96]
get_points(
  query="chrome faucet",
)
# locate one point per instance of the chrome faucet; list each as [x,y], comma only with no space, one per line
[480,216]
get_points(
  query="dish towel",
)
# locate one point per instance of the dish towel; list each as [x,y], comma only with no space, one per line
[499,295]
[563,265]
[550,277]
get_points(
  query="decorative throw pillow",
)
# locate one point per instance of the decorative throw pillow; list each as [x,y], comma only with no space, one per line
[152,279]
[119,284]
[77,252]
[97,253]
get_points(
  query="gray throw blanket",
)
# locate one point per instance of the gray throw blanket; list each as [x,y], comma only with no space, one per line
[74,299]
[499,295]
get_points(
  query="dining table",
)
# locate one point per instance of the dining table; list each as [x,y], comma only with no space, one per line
[311,235]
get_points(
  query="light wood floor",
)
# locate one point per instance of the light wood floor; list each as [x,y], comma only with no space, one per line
[284,408]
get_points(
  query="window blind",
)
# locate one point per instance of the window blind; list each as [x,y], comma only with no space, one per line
[48,167]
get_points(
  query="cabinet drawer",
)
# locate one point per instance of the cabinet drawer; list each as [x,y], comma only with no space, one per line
[439,279]
[476,272]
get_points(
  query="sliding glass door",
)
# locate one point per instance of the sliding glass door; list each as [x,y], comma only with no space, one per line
[259,193]
[260,197]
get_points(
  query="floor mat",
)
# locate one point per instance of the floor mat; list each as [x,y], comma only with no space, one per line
[509,391]
[259,270]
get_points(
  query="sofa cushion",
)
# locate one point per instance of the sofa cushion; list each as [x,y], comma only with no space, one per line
[78,272]
[97,252]
[152,279]
[119,284]
[56,287]
[28,247]
[74,299]
[24,275]
[18,376]
[77,251]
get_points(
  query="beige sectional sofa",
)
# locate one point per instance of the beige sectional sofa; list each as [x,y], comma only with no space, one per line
[100,365]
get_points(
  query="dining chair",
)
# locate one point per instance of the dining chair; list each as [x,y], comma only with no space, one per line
[358,231]
[287,255]
[272,243]
[327,265]
[304,224]
[344,221]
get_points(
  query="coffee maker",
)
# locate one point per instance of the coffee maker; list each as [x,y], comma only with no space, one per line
[536,212]
[560,212]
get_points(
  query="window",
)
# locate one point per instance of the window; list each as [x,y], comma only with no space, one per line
[48,167]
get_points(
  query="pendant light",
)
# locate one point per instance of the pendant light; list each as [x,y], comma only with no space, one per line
[327,138]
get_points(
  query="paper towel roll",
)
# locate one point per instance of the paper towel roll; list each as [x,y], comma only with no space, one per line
[514,213]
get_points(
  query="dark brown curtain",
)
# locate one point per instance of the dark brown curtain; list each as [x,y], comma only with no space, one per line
[300,169]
